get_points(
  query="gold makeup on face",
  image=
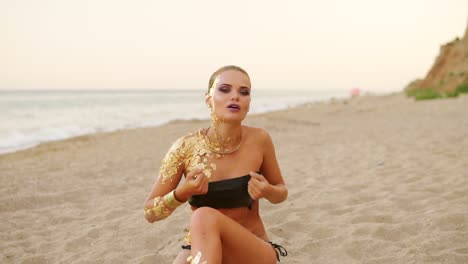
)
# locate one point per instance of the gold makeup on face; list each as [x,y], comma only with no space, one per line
[217,143]
[200,148]
[224,94]
[222,87]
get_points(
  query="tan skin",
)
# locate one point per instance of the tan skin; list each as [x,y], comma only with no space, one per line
[234,235]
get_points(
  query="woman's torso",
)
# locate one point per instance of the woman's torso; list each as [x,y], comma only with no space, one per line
[247,158]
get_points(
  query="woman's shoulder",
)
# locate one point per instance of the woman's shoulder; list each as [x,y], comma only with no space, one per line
[188,139]
[195,137]
[192,134]
[257,133]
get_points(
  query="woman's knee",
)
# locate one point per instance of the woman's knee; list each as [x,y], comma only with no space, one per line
[204,217]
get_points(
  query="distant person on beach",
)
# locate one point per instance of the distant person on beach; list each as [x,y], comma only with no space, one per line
[225,224]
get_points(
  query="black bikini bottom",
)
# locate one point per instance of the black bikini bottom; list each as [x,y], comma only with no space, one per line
[278,249]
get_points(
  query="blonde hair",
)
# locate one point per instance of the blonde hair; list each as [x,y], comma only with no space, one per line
[223,69]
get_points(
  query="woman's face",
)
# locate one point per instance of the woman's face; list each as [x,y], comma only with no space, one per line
[229,97]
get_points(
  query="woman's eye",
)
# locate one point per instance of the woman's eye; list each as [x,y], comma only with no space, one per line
[224,89]
[245,92]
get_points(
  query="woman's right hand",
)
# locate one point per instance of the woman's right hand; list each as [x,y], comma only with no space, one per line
[195,183]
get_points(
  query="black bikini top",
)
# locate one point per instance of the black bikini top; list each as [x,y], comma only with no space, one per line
[230,193]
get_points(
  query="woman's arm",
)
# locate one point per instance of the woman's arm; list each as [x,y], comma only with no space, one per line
[161,201]
[164,197]
[270,184]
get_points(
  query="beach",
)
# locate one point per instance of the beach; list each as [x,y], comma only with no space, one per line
[371,179]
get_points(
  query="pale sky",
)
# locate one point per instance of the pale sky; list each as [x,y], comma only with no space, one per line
[148,44]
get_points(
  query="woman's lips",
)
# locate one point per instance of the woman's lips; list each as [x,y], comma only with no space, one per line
[233,107]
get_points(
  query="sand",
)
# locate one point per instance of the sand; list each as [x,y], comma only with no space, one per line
[374,179]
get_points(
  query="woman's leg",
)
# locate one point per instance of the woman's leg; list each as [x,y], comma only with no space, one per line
[182,257]
[222,240]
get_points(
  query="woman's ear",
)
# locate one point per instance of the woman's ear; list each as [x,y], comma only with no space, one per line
[208,100]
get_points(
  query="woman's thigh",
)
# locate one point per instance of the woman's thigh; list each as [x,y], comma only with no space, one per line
[239,245]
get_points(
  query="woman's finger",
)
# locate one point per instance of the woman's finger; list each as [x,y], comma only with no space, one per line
[199,178]
[251,181]
[193,174]
[252,192]
[254,195]
[205,181]
[253,174]
[254,183]
[205,189]
[258,177]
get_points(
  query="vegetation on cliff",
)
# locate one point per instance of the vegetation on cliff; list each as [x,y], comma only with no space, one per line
[448,76]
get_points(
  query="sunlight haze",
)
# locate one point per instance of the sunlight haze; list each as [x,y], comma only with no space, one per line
[109,44]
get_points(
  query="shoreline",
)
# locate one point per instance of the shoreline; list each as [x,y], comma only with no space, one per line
[32,146]
[373,179]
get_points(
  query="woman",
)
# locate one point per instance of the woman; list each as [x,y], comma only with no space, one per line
[225,225]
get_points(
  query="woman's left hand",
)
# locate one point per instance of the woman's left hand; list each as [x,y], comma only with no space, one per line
[258,186]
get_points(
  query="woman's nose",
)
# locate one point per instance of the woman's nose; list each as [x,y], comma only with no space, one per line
[235,96]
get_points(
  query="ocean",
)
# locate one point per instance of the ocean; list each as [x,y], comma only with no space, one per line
[29,118]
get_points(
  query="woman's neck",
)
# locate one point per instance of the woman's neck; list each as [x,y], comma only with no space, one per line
[224,134]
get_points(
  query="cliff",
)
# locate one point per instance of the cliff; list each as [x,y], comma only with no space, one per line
[449,70]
